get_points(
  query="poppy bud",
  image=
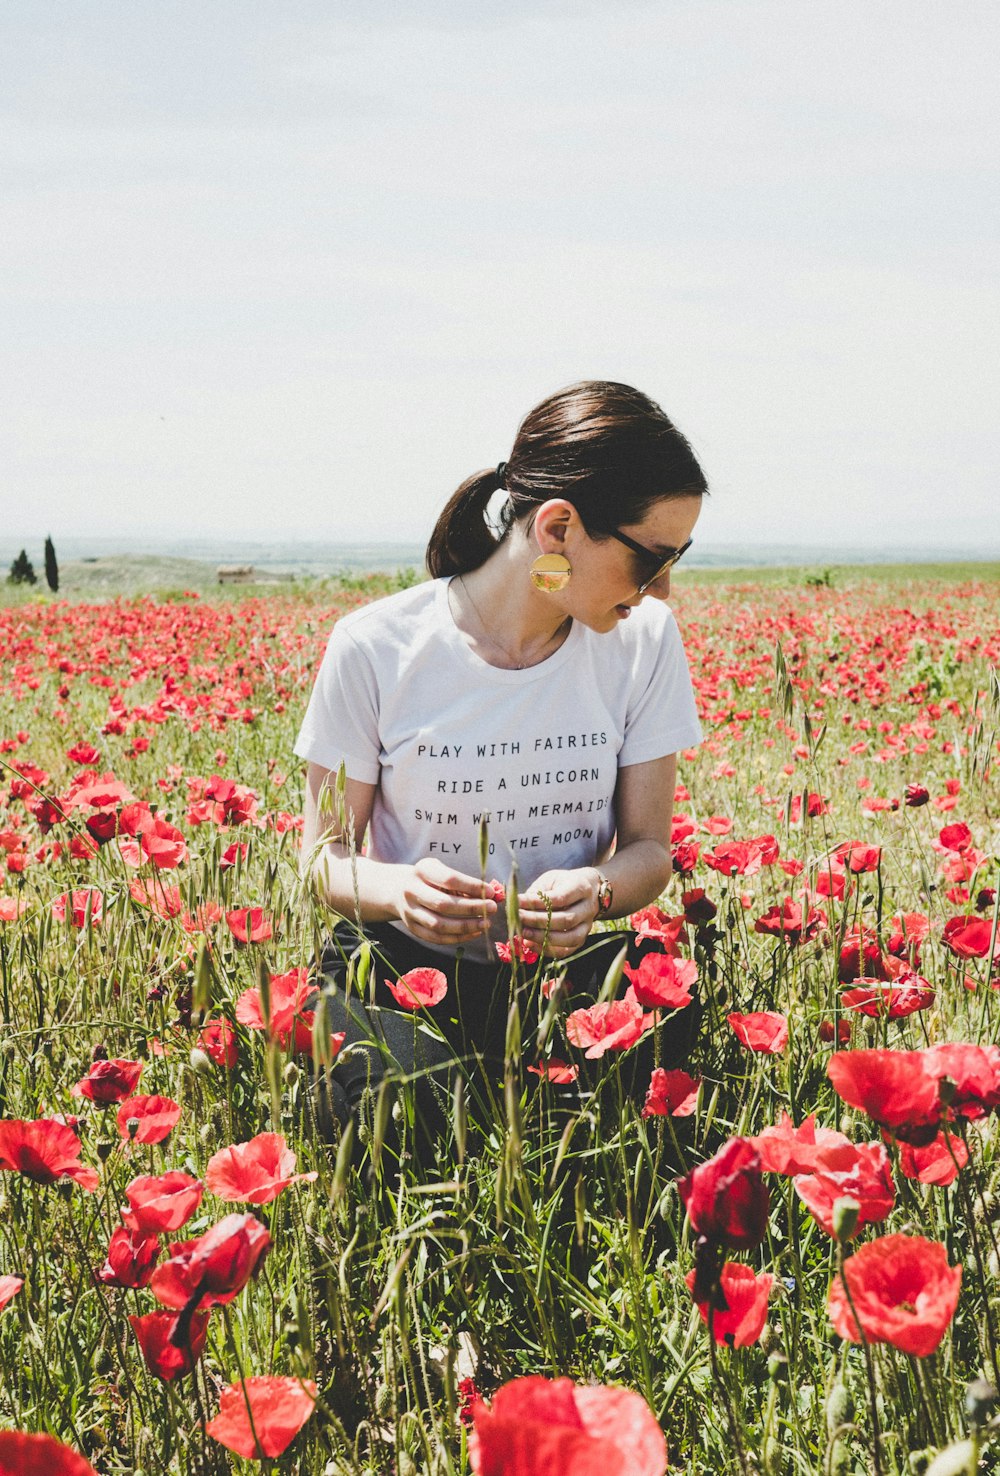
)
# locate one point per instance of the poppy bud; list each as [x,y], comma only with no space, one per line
[99,1053]
[290,1075]
[980,1402]
[839,1407]
[845,1218]
[200,1063]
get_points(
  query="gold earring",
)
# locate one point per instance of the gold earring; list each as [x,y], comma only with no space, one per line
[551,573]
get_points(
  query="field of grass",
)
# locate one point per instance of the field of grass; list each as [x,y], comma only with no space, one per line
[836,832]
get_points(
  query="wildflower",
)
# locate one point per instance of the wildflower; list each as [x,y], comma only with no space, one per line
[163,1203]
[108,1081]
[155,1334]
[249,925]
[44,1150]
[806,1149]
[896,1001]
[612,1026]
[659,926]
[9,1288]
[214,1267]
[559,1073]
[867,1181]
[534,1425]
[660,981]
[419,989]
[727,1205]
[132,1258]
[156,1118]
[218,1041]
[39,1455]
[763,1031]
[938,1162]
[791,922]
[517,949]
[670,1094]
[77,903]
[290,1020]
[903,1291]
[255,1172]
[279,1406]
[742,1320]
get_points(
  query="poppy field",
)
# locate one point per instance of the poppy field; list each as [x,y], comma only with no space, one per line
[782,1256]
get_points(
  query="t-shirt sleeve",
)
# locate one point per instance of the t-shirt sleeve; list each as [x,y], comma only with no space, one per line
[662,717]
[341,721]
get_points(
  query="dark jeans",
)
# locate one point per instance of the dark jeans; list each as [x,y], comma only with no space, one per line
[472,1024]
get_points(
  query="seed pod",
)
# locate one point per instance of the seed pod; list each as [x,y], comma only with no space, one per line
[839,1407]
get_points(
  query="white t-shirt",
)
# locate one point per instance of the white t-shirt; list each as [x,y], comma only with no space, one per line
[404,703]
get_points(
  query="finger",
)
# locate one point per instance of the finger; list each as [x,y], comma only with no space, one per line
[445,879]
[448,904]
[437,929]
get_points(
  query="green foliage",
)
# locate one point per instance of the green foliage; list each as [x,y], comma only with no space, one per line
[22,571]
[51,566]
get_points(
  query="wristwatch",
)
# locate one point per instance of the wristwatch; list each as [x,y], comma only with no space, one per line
[605,893]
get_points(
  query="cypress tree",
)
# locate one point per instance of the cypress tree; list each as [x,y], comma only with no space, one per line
[51,567]
[21,570]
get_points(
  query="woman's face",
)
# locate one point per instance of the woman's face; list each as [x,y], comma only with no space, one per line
[604,586]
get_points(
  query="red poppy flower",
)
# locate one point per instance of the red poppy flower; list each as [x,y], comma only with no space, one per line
[157,1117]
[895,1001]
[218,1041]
[230,854]
[790,922]
[535,1425]
[746,1297]
[915,795]
[858,858]
[735,858]
[726,1199]
[9,1288]
[560,1073]
[11,908]
[969,936]
[670,1094]
[419,989]
[132,1258]
[289,1016]
[861,946]
[612,1026]
[249,925]
[904,1293]
[255,1172]
[660,981]
[968,1077]
[698,907]
[518,949]
[155,1334]
[39,1455]
[76,903]
[214,1267]
[843,1031]
[763,1031]
[279,1406]
[163,1203]
[935,1163]
[868,1181]
[892,1087]
[654,923]
[109,1081]
[44,1150]
[150,892]
[805,1149]
[685,857]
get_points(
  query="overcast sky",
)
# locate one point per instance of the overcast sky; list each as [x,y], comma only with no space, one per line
[287,268]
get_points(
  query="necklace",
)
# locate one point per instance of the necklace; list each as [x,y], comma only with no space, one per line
[497,646]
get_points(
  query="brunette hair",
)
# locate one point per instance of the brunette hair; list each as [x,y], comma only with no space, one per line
[604,447]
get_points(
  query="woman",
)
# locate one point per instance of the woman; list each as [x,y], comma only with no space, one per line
[536,685]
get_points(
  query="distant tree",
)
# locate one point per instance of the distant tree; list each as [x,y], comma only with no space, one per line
[51,567]
[21,570]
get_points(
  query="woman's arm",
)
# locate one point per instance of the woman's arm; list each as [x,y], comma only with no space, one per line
[638,871]
[435,903]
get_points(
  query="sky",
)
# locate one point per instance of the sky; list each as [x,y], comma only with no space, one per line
[295,271]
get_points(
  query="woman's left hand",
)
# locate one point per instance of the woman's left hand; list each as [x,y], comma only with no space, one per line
[573,899]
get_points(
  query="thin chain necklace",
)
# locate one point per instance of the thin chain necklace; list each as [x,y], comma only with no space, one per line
[518,665]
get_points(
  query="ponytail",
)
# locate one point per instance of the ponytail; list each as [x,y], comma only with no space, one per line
[462,539]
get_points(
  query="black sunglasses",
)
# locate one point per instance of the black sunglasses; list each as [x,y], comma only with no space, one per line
[662,564]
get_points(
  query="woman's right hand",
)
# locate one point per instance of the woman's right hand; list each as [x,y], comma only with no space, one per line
[439,905]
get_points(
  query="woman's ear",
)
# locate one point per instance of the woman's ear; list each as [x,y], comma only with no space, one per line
[553,521]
